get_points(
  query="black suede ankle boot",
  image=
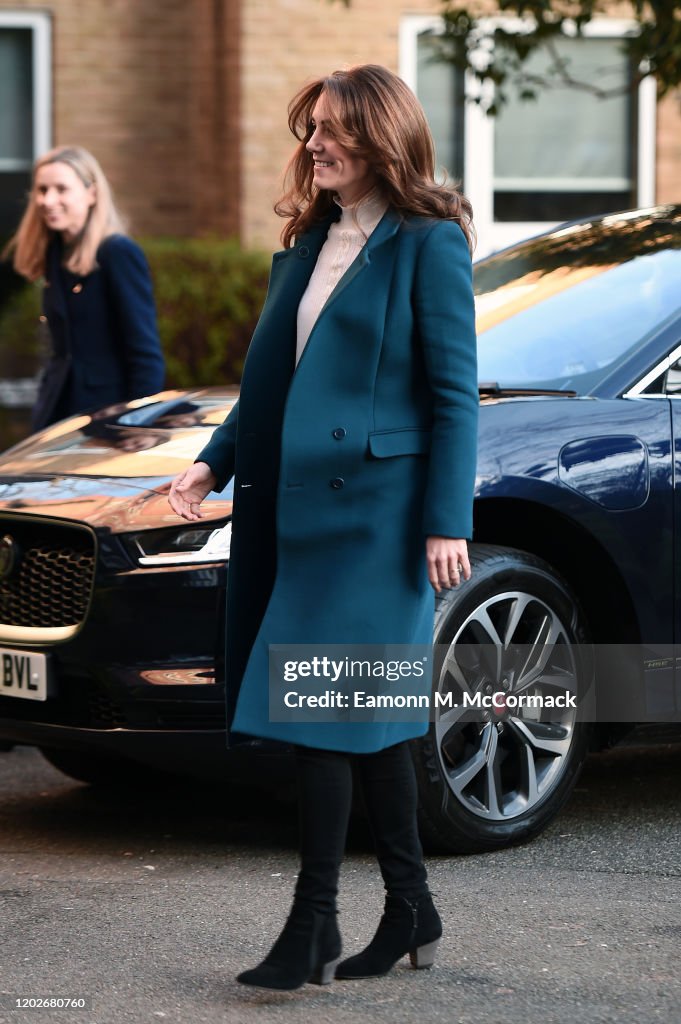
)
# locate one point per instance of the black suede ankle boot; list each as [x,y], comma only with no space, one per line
[308,949]
[407,926]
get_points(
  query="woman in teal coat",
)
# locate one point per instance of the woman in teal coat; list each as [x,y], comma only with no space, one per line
[352,448]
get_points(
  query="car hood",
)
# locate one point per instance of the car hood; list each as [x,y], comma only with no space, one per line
[101,504]
[114,469]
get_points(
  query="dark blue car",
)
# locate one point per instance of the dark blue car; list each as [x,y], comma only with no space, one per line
[109,665]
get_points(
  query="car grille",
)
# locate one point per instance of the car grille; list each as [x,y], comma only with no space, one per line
[103,713]
[46,576]
[81,704]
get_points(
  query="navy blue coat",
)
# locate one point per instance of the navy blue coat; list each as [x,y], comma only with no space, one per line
[102,327]
[343,467]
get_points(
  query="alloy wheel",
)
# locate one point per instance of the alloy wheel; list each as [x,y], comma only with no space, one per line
[500,761]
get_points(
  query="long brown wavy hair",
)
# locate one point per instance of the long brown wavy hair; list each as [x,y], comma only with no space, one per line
[32,237]
[376,117]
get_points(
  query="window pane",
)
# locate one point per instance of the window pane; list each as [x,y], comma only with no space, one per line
[16,90]
[671,381]
[566,154]
[439,86]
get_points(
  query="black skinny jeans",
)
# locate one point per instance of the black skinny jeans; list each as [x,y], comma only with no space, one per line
[388,787]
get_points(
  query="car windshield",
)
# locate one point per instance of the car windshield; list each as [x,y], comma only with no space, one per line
[563,310]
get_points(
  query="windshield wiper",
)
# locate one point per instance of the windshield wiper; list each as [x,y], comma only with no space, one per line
[492,388]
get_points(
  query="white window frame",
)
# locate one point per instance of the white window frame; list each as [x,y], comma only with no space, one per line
[478,178]
[41,27]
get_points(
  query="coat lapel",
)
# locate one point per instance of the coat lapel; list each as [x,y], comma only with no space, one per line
[54,302]
[383,232]
[57,300]
[292,269]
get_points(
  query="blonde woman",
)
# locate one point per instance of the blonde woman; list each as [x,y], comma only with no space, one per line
[97,298]
[352,447]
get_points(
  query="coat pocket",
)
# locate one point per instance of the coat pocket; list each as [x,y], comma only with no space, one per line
[403,441]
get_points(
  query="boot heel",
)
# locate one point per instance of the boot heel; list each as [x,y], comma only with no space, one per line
[308,937]
[325,974]
[424,956]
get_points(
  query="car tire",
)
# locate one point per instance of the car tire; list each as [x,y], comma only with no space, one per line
[96,769]
[488,784]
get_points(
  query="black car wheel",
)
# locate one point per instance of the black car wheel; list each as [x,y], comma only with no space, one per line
[491,778]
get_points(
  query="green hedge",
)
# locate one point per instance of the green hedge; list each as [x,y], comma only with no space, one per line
[21,341]
[209,293]
[10,283]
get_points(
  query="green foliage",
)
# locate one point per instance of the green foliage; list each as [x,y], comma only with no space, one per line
[653,48]
[21,340]
[15,425]
[208,291]
[10,282]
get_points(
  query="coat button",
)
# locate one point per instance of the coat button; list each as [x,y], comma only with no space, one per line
[339,433]
[337,483]
[303,251]
[43,319]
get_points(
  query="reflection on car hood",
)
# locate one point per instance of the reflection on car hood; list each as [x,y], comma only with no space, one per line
[101,504]
[114,469]
[152,437]
[80,455]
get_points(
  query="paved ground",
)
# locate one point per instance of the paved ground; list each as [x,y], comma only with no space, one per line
[151,905]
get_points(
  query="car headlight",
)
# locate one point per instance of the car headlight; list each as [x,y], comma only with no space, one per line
[194,545]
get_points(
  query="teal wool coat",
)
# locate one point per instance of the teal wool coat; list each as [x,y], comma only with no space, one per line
[344,465]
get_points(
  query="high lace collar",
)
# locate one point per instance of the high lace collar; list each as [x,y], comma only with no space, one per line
[364,215]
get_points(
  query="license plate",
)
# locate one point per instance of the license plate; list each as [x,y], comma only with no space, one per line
[23,674]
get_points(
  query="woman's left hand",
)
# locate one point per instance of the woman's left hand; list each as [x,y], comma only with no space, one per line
[447,559]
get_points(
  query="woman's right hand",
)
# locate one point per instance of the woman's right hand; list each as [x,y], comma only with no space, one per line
[188,490]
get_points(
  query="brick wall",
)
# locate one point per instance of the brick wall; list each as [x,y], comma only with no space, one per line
[668,179]
[285,43]
[215,147]
[184,101]
[152,89]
